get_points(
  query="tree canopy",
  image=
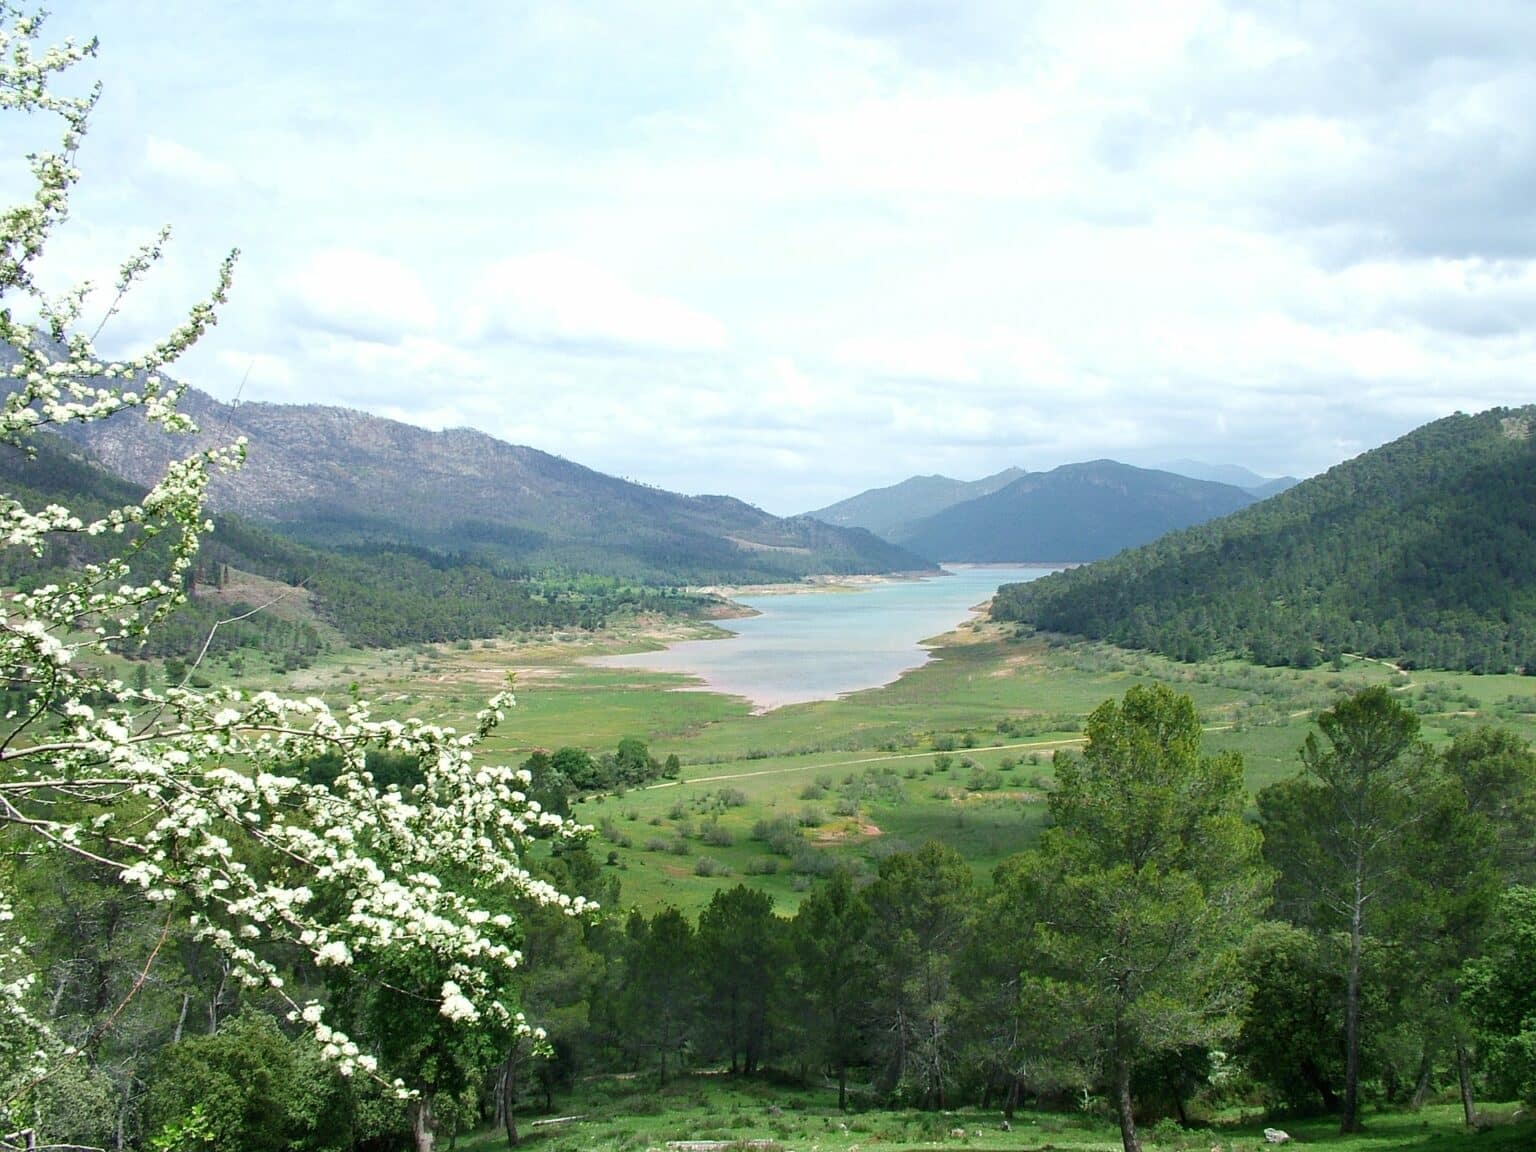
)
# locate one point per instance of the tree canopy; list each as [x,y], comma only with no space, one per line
[1422,551]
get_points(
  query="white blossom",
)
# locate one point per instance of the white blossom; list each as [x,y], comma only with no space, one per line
[188,795]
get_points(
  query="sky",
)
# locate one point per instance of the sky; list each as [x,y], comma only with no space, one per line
[791,251]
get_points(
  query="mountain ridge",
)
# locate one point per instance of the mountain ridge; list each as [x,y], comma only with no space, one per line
[1421,551]
[1233,474]
[1072,514]
[890,512]
[331,475]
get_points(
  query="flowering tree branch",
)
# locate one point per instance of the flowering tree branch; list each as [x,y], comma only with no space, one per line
[198,800]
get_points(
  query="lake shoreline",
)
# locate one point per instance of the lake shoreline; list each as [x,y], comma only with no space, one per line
[796,648]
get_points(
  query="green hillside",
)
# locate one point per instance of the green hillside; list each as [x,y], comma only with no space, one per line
[1422,551]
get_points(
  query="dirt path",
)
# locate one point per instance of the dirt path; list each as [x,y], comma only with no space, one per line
[890,757]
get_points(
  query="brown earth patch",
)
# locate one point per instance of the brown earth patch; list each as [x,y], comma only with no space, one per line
[495,678]
[1023,660]
[1020,795]
[848,831]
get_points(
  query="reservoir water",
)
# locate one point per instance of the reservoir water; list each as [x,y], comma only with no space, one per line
[819,645]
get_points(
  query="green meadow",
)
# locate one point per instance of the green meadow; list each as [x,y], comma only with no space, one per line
[617,1115]
[958,750]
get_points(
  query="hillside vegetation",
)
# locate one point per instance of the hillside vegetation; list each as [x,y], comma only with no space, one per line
[370,594]
[1421,552]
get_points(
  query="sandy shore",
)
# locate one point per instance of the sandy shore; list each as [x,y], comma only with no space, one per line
[851,583]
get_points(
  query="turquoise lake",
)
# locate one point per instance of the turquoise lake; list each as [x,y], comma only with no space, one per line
[819,645]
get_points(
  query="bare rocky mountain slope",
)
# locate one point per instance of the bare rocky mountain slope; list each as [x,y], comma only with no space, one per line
[339,476]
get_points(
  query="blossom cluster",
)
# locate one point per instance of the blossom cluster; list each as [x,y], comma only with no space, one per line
[196,798]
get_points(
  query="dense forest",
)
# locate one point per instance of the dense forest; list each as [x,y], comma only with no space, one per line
[1242,968]
[1422,552]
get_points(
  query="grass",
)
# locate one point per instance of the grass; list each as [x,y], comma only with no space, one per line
[996,706]
[629,1115]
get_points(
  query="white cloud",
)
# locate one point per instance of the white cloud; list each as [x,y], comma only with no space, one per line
[793,248]
[561,299]
[262,373]
[361,295]
[186,166]
[926,356]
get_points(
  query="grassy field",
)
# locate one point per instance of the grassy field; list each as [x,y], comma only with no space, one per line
[959,750]
[621,1116]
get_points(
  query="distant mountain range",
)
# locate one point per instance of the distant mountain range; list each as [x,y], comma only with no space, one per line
[1233,474]
[1072,514]
[892,513]
[339,477]
[1422,551]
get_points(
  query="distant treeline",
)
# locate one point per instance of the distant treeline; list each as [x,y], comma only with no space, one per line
[635,545]
[1422,552]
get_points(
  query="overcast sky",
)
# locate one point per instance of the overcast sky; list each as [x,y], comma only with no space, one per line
[790,251]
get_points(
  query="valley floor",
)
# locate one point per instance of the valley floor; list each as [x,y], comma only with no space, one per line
[958,750]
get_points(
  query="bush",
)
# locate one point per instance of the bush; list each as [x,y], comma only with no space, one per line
[984,779]
[257,1091]
[781,834]
[809,861]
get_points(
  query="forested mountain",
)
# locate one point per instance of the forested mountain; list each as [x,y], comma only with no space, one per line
[1422,551]
[1077,512]
[1233,474]
[372,594]
[891,513]
[342,477]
